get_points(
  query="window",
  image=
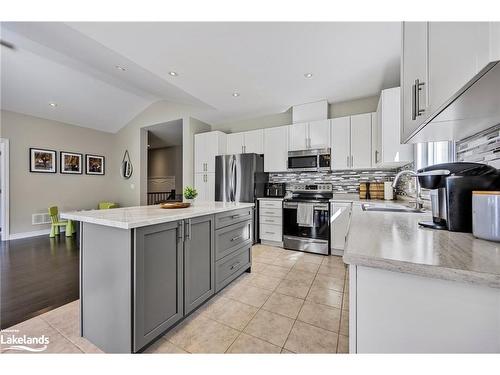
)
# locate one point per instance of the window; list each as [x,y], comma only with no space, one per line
[431,153]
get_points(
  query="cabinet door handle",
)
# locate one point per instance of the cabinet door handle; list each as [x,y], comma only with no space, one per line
[376,156]
[352,161]
[234,265]
[413,103]
[419,85]
[236,238]
[347,160]
[187,230]
[180,230]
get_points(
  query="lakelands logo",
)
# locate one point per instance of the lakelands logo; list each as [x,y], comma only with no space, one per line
[15,342]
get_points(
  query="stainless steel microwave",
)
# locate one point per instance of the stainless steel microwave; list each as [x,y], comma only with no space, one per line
[312,160]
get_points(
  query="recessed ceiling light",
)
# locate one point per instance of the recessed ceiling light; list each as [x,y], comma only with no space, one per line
[236,94]
[119,67]
[53,105]
[308,75]
[173,74]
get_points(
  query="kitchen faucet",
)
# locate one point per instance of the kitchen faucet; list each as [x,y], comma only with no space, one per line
[418,205]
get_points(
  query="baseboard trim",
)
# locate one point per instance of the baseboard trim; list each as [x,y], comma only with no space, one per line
[42,232]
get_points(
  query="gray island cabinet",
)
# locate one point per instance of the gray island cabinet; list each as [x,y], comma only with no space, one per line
[143,270]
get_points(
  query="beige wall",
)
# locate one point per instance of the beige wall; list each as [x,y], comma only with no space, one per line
[163,162]
[351,107]
[35,192]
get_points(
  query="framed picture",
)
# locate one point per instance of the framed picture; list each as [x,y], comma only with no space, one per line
[43,161]
[70,162]
[94,164]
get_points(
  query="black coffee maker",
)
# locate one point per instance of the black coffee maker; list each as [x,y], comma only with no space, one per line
[451,187]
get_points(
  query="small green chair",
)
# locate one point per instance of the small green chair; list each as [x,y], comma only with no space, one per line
[56,223]
[107,205]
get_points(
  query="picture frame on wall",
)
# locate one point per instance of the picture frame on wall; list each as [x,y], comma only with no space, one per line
[42,160]
[94,164]
[70,162]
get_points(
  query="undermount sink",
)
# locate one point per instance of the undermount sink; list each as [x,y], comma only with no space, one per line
[390,208]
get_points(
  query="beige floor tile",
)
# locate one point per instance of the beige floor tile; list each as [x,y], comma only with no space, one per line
[66,320]
[258,266]
[271,327]
[202,335]
[232,313]
[275,271]
[334,271]
[249,344]
[163,346]
[283,305]
[343,345]
[313,258]
[302,276]
[37,327]
[305,338]
[345,302]
[321,316]
[344,323]
[329,282]
[286,351]
[263,281]
[263,259]
[333,260]
[249,294]
[325,296]
[293,288]
[284,262]
[303,265]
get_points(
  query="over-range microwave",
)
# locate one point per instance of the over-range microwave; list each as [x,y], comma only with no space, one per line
[313,160]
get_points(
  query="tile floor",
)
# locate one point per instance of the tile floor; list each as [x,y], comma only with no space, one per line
[292,302]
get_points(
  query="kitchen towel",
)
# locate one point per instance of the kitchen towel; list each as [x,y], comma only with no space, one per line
[305,212]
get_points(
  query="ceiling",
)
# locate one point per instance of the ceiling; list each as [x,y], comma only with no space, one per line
[163,135]
[74,64]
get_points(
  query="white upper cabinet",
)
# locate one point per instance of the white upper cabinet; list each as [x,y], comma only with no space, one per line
[305,135]
[235,143]
[438,59]
[254,141]
[319,134]
[386,141]
[361,141]
[297,135]
[341,142]
[246,142]
[206,147]
[276,149]
[457,52]
[414,75]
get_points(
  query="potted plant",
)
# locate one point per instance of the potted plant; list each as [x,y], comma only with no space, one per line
[190,194]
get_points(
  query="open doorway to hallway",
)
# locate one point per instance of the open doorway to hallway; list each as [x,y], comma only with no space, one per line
[164,162]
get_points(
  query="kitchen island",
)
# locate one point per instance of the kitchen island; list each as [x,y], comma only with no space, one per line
[144,269]
[414,289]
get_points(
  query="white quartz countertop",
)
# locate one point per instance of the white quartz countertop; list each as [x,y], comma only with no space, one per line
[140,216]
[270,199]
[395,241]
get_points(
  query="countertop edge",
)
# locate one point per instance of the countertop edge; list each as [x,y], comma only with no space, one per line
[425,270]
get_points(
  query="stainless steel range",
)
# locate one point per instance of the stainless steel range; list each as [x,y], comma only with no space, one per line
[306,218]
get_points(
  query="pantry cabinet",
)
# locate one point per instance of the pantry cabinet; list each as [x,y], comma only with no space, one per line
[246,142]
[305,135]
[387,150]
[276,149]
[206,147]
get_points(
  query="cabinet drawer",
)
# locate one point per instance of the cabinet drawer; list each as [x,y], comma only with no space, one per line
[230,267]
[276,212]
[271,232]
[231,238]
[270,220]
[270,204]
[232,217]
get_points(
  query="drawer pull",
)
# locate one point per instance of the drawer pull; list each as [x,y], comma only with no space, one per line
[270,213]
[270,233]
[234,266]
[235,216]
[236,238]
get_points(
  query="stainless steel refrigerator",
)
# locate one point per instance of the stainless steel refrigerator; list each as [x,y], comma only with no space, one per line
[241,178]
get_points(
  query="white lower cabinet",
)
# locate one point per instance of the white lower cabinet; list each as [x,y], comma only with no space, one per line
[204,183]
[271,221]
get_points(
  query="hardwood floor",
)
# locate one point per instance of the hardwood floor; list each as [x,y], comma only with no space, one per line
[38,274]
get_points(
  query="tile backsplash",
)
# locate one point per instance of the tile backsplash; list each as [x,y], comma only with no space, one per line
[343,181]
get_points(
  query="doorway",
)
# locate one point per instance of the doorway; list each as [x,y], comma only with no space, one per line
[164,162]
[4,189]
